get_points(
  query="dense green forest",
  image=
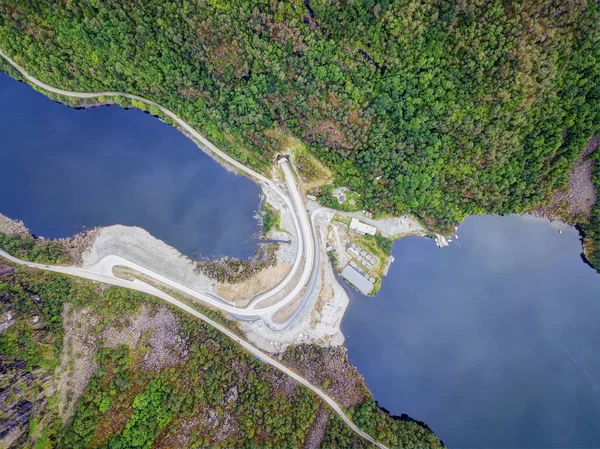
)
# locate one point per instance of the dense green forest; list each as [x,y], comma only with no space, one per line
[591,229]
[24,247]
[438,108]
[157,378]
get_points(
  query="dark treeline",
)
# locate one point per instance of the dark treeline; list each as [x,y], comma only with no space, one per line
[438,108]
[592,229]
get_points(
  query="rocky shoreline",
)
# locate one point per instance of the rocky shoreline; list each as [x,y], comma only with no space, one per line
[9,226]
[232,270]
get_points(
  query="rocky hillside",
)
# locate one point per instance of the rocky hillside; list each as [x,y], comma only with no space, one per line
[85,365]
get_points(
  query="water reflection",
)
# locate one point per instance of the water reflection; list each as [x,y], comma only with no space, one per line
[63,170]
[493,344]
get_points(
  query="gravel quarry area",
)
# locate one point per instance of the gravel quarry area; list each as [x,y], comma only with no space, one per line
[137,245]
[320,319]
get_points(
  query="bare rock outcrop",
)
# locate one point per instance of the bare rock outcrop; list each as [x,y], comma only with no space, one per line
[10,226]
[574,202]
[24,394]
[6,271]
[161,331]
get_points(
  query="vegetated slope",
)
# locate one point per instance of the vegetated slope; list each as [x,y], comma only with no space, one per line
[438,108]
[86,365]
[592,229]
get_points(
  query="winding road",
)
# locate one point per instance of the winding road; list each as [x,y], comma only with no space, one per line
[306,241]
[143,287]
[308,248]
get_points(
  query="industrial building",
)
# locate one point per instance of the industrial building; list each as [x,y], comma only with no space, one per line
[358,280]
[362,228]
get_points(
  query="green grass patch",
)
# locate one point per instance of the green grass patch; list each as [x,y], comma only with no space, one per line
[342,219]
[380,247]
[271,219]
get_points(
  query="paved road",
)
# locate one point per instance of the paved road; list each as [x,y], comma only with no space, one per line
[306,241]
[149,289]
[313,278]
[205,143]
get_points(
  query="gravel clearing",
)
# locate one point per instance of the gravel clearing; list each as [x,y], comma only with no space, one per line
[241,293]
[137,245]
[388,227]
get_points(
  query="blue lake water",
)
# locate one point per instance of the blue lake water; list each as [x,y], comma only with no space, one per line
[494,343]
[63,170]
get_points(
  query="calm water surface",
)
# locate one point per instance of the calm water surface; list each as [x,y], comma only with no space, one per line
[63,170]
[494,343]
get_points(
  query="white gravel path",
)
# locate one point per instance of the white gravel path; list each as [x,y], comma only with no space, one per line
[137,245]
[388,227]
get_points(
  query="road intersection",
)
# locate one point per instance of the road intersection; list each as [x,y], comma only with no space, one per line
[308,251]
[307,241]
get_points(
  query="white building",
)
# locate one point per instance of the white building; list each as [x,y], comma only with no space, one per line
[362,228]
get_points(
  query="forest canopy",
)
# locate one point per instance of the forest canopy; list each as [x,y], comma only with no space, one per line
[441,109]
[158,377]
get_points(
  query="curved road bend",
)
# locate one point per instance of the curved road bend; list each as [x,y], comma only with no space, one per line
[307,236]
[148,289]
[205,142]
[313,279]
[299,215]
[105,268]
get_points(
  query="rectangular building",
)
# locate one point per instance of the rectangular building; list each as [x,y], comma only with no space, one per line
[362,228]
[357,279]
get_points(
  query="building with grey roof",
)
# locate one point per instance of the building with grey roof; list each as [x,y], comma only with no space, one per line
[357,279]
